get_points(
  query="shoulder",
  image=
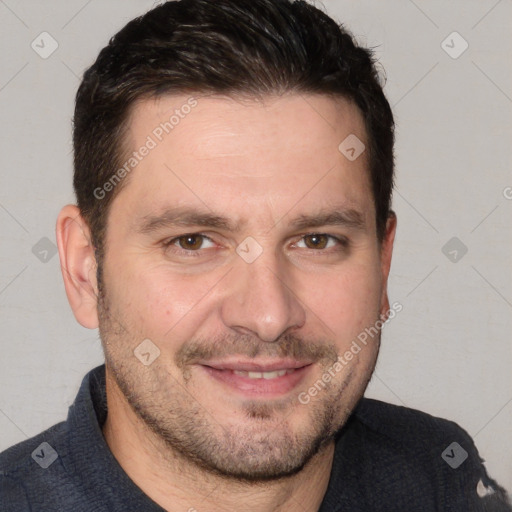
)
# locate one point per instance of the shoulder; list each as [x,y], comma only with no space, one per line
[414,429]
[22,468]
[435,451]
[18,457]
[423,444]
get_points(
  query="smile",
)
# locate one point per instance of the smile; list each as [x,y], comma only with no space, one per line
[264,379]
[264,375]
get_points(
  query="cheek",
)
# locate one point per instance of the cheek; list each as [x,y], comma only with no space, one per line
[346,301]
[165,303]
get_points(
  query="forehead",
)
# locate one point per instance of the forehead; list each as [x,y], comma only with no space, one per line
[226,153]
[212,126]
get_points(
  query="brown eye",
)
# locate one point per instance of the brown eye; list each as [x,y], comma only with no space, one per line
[316,241]
[190,242]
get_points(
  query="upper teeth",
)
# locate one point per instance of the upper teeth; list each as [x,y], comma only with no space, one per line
[263,375]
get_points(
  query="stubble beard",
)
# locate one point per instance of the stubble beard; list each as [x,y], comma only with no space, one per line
[187,432]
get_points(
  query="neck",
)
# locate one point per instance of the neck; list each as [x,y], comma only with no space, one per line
[178,484]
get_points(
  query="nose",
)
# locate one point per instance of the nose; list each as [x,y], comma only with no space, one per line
[261,300]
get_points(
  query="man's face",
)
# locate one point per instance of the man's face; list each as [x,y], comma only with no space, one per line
[244,247]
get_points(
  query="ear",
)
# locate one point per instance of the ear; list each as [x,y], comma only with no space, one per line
[386,251]
[78,265]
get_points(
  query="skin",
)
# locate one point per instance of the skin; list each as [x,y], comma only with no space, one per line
[186,439]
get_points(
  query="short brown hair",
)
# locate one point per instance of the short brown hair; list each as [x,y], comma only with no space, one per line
[231,47]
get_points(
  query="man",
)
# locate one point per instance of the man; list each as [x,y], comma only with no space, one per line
[232,242]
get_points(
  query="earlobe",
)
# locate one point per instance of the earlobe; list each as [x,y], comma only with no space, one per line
[78,265]
[385,255]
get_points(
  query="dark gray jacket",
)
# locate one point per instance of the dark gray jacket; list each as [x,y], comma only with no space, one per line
[387,458]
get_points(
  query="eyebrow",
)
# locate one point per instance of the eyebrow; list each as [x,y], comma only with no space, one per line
[349,218]
[188,217]
[181,216]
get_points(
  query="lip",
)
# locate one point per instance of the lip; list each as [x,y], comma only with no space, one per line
[224,374]
[270,365]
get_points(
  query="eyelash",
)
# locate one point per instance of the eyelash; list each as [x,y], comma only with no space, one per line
[342,242]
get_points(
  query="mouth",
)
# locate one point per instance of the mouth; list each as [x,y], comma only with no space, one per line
[264,375]
[266,379]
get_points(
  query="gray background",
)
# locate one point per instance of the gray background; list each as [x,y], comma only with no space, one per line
[448,352]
